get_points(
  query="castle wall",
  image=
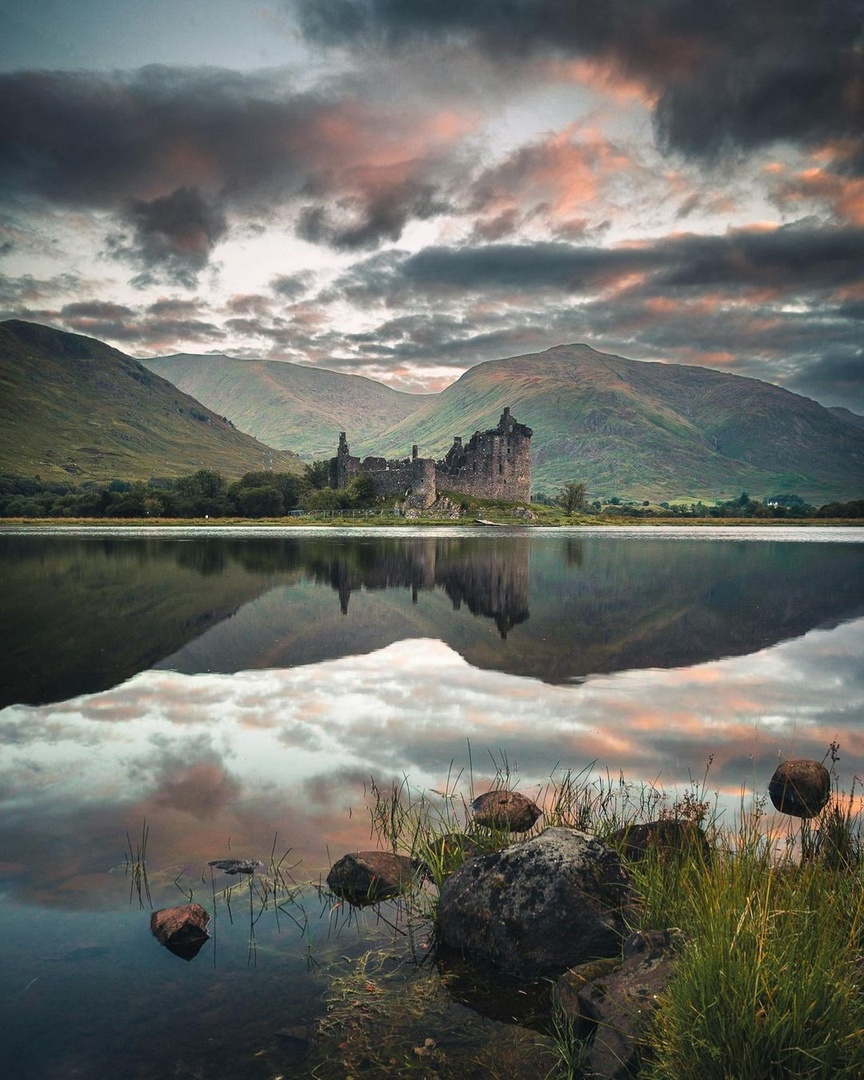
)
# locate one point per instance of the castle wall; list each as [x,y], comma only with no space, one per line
[494,464]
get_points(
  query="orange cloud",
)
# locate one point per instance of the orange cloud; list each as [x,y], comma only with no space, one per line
[844,195]
[383,146]
[553,180]
[602,76]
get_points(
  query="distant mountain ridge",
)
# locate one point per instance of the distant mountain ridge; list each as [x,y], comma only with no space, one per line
[73,408]
[645,430]
[289,406]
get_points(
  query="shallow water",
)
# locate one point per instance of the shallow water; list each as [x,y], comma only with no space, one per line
[236,689]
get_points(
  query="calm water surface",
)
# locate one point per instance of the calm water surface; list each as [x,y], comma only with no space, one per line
[237,690]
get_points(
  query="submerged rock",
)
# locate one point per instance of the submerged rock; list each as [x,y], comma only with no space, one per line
[505,810]
[620,1003]
[537,907]
[236,866]
[800,788]
[368,876]
[182,930]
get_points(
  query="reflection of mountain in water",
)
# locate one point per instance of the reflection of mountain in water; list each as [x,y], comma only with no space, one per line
[82,615]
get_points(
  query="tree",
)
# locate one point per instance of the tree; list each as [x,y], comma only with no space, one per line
[322,499]
[286,487]
[258,502]
[201,494]
[361,490]
[571,497]
[318,474]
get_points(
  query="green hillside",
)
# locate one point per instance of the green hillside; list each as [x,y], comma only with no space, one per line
[287,405]
[72,407]
[643,430]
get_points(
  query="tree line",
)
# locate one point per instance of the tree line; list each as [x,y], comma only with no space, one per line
[205,493]
[572,498]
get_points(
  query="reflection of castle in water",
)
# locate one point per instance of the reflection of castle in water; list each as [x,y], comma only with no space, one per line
[491,579]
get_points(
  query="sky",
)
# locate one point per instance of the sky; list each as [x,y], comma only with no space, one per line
[405,188]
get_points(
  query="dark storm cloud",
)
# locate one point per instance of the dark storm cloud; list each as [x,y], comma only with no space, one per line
[796,259]
[522,268]
[174,236]
[174,154]
[382,216]
[90,140]
[95,309]
[157,326]
[843,370]
[722,74]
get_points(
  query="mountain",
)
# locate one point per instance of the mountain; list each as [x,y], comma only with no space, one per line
[72,407]
[287,405]
[850,417]
[642,430]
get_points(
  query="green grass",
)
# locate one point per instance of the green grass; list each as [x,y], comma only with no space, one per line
[771,981]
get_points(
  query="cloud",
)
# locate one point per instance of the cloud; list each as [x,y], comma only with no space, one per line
[843,196]
[174,236]
[793,258]
[721,76]
[365,221]
[291,286]
[176,155]
[556,181]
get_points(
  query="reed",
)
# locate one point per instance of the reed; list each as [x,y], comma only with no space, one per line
[771,981]
[136,867]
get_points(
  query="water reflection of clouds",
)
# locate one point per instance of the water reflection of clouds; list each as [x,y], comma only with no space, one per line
[207,757]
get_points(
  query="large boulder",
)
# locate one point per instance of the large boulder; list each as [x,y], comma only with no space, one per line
[369,876]
[538,907]
[800,788]
[620,1003]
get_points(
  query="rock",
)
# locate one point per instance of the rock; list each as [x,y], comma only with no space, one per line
[490,992]
[537,907]
[182,930]
[800,788]
[620,1003]
[665,837]
[368,876]
[505,810]
[236,866]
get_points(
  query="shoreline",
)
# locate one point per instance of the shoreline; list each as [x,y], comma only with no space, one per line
[373,521]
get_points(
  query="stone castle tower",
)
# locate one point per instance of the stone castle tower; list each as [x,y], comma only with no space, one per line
[493,464]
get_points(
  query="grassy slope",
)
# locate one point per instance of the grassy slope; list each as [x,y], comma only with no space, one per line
[104,616]
[288,405]
[644,430]
[73,408]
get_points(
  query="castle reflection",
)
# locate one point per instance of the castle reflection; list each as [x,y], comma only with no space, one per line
[492,580]
[82,615]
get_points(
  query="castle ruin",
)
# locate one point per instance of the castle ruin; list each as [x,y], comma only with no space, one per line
[493,464]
